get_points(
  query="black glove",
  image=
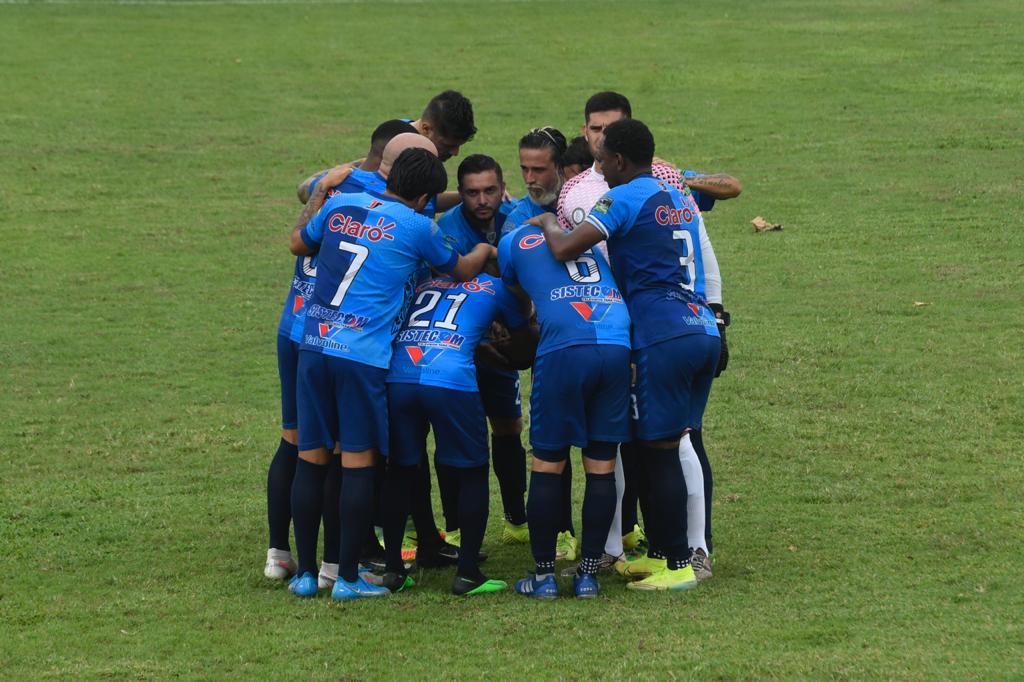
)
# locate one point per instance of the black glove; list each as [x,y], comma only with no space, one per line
[723,318]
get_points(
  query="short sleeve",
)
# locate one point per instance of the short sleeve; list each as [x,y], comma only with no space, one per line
[508,306]
[434,249]
[611,214]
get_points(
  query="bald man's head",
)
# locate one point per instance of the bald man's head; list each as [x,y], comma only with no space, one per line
[398,144]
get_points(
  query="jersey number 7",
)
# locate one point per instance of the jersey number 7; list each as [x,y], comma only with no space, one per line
[359,254]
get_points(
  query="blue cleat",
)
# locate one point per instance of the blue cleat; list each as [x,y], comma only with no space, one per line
[586,585]
[304,585]
[357,590]
[538,589]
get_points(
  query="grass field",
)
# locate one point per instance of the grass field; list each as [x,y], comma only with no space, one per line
[867,448]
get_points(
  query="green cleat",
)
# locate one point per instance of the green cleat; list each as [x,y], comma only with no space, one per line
[453,537]
[634,539]
[512,534]
[565,546]
[667,579]
[465,587]
[644,567]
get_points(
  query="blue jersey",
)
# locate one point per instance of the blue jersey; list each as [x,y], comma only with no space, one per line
[293,317]
[524,209]
[577,301]
[368,248]
[436,345]
[371,182]
[462,236]
[654,244]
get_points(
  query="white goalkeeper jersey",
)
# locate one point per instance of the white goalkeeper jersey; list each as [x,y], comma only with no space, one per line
[580,194]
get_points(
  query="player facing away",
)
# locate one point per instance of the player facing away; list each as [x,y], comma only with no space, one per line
[280,565]
[577,198]
[367,248]
[652,235]
[432,384]
[580,396]
[478,220]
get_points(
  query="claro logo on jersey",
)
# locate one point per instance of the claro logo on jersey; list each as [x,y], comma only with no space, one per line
[667,215]
[345,224]
[427,345]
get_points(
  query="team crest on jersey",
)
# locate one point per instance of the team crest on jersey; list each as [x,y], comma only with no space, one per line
[694,308]
[578,214]
[591,311]
[603,204]
[375,203]
[531,241]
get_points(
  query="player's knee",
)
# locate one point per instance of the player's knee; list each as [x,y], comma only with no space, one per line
[506,426]
[661,443]
[290,436]
[549,461]
[319,456]
[358,460]
[599,457]
[598,466]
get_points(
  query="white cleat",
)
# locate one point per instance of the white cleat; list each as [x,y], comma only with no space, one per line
[280,565]
[328,576]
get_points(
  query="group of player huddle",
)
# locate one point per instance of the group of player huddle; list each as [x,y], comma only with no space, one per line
[601,280]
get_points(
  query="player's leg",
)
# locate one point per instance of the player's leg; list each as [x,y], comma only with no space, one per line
[280,565]
[697,438]
[361,399]
[672,387]
[331,523]
[460,437]
[694,508]
[501,398]
[317,434]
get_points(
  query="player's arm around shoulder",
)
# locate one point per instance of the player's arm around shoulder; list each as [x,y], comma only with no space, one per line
[438,252]
[718,186]
[566,246]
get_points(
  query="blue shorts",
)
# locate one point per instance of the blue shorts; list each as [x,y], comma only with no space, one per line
[288,369]
[457,418]
[671,385]
[341,400]
[499,389]
[580,394]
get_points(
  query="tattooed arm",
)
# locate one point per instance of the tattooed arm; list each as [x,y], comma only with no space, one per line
[296,244]
[716,186]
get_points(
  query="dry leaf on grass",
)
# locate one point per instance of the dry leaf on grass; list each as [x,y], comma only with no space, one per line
[762,225]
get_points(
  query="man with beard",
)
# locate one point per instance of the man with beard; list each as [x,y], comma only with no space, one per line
[540,155]
[478,220]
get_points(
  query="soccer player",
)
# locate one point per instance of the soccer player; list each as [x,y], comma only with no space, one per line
[280,565]
[433,385]
[576,200]
[540,156]
[652,235]
[478,220]
[577,158]
[367,249]
[580,396]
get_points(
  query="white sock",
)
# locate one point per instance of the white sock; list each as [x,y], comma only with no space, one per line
[613,544]
[329,570]
[694,494]
[278,555]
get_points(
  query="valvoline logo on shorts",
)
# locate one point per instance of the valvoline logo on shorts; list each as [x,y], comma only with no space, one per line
[591,312]
[422,356]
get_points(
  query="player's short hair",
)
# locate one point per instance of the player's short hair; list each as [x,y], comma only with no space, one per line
[632,139]
[479,163]
[383,133]
[452,115]
[577,154]
[607,101]
[417,172]
[545,138]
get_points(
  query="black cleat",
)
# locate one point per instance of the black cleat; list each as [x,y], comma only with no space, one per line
[437,557]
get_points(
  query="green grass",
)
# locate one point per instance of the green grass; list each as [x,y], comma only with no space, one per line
[867,450]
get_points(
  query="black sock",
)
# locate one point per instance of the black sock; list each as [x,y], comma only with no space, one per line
[398,486]
[279,494]
[565,520]
[642,487]
[543,511]
[448,486]
[307,503]
[332,524]
[697,439]
[380,469]
[427,537]
[598,512]
[473,501]
[356,509]
[510,470]
[667,501]
[630,495]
